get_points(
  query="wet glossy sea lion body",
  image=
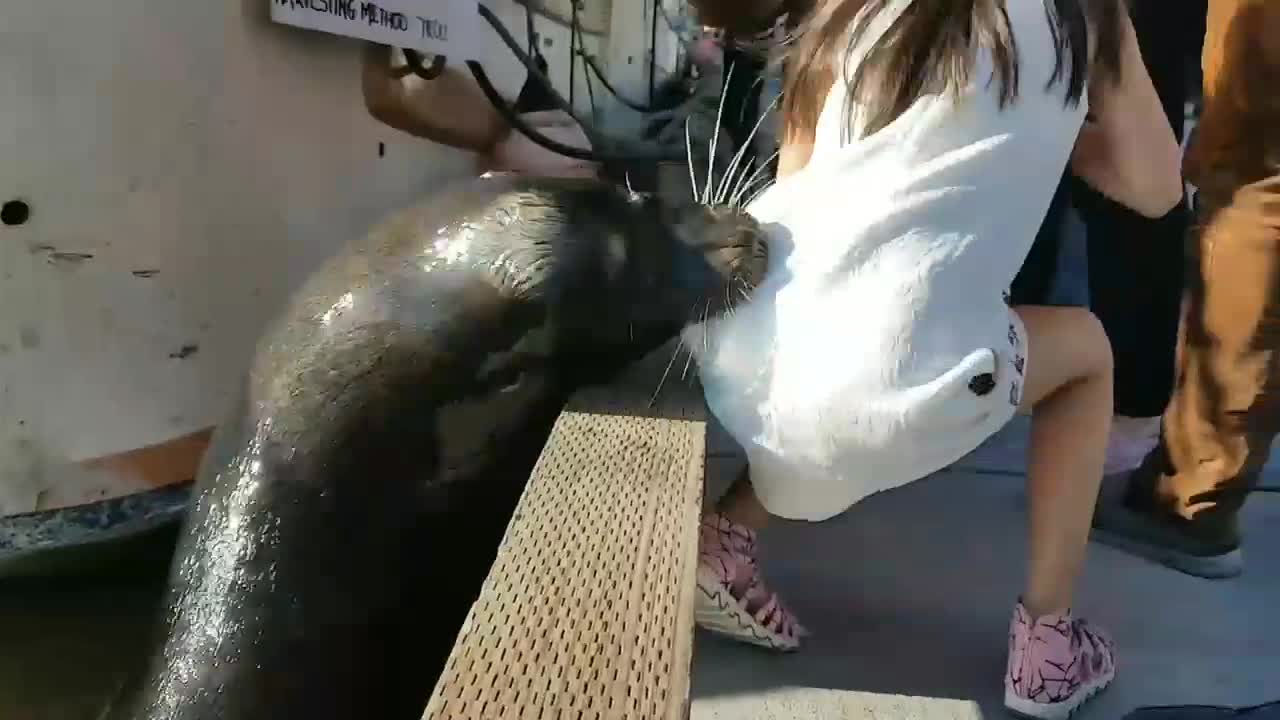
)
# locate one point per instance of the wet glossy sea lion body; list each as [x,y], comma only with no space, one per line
[349,509]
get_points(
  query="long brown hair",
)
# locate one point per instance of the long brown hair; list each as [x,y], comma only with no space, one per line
[930,49]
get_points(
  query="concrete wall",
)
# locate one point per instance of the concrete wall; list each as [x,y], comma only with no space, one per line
[186,164]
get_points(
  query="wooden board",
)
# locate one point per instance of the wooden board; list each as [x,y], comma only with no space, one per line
[588,610]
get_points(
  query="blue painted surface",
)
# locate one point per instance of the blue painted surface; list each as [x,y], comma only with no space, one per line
[25,536]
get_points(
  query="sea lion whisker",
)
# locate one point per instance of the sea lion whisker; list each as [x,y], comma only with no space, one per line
[715,135]
[706,312]
[754,177]
[751,186]
[706,344]
[759,192]
[737,158]
[737,193]
[688,361]
[758,82]
[688,154]
[728,181]
[662,380]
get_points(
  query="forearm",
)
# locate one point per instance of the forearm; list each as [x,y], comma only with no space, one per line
[1127,150]
[448,109]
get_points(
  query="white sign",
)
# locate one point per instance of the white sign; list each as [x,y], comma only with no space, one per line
[443,27]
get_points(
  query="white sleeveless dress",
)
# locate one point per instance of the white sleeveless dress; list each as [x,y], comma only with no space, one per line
[880,347]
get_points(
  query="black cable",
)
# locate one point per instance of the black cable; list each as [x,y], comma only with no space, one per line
[531,35]
[638,107]
[591,88]
[535,95]
[536,73]
[591,96]
[590,61]
[573,52]
[413,59]
[501,106]
[524,58]
[514,120]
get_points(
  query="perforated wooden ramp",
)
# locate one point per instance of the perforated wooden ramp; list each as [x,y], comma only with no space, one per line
[587,611]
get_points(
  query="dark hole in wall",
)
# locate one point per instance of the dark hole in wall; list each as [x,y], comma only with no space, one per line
[15,212]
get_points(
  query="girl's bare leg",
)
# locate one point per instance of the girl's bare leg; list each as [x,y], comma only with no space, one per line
[1057,661]
[1068,393]
[1067,390]
[732,598]
[740,504]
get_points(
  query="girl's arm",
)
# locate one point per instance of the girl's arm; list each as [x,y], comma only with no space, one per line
[448,109]
[1126,149]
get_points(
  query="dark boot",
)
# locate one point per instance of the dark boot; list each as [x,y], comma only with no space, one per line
[1129,518]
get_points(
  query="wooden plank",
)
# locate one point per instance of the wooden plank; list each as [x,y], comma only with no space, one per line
[588,610]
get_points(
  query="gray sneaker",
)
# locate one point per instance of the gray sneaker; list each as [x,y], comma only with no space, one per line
[1149,533]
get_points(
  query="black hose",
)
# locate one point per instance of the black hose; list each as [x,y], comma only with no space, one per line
[530,34]
[516,121]
[591,87]
[573,52]
[413,59]
[525,59]
[513,118]
[578,49]
[638,107]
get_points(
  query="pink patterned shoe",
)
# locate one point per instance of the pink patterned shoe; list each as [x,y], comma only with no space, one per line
[732,600]
[1056,664]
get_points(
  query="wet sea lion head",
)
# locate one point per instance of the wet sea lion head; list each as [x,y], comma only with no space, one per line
[391,419]
[628,272]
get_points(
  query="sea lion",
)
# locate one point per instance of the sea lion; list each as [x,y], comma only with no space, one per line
[350,507]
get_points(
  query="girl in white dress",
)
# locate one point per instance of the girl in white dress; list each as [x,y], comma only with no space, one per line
[922,143]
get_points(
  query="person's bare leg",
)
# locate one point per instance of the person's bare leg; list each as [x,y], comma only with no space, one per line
[740,504]
[1056,660]
[1068,392]
[733,599]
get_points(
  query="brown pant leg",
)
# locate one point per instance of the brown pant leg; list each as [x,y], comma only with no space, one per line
[1226,406]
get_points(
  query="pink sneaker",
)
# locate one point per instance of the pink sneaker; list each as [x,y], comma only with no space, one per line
[1056,664]
[732,600]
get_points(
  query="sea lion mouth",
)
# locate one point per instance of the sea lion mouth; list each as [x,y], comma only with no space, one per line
[738,255]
